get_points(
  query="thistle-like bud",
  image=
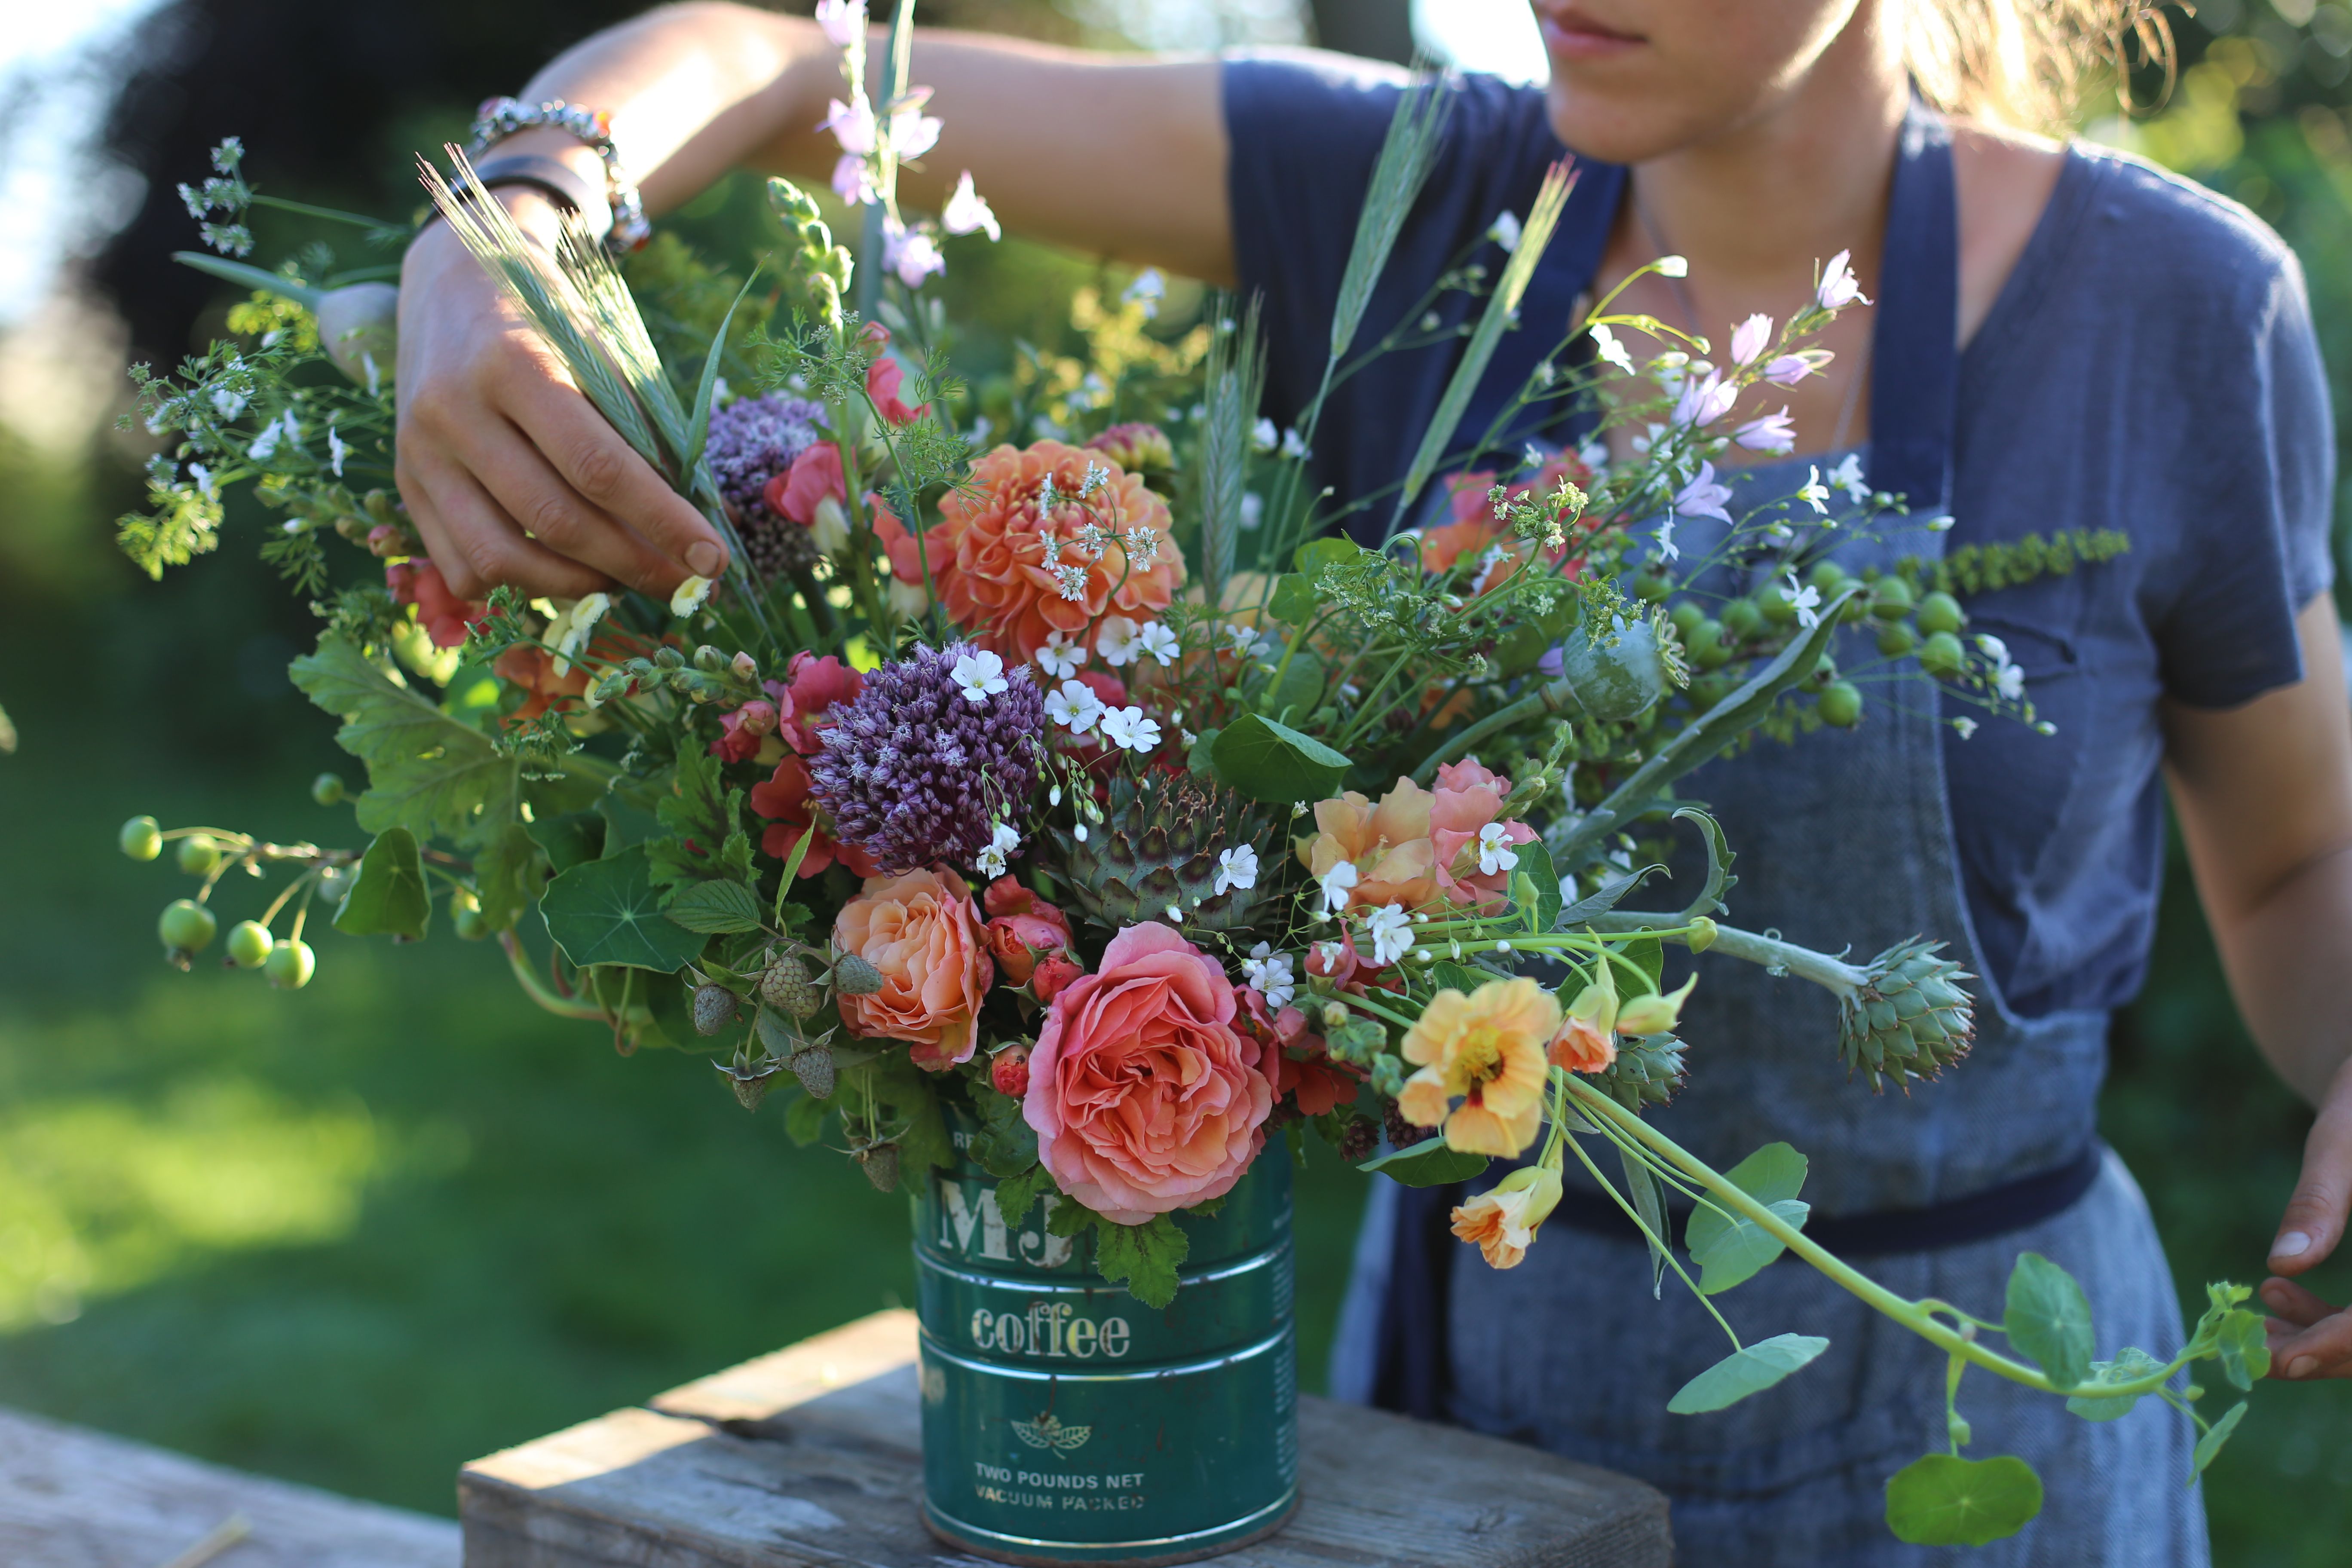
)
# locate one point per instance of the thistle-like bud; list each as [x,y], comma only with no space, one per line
[854,976]
[714,1009]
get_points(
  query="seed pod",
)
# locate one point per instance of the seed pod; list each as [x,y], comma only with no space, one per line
[856,977]
[1941,655]
[198,853]
[814,1065]
[1357,1139]
[881,1164]
[141,838]
[714,1009]
[788,987]
[1941,613]
[1840,704]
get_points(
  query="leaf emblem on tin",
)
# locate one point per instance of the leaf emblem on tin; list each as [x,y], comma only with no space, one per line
[1047,1432]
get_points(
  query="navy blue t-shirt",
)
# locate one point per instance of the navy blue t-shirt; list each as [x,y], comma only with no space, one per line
[2149,366]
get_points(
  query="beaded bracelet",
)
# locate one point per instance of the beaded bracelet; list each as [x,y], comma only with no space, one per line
[503,117]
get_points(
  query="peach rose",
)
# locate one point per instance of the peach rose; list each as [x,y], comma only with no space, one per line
[1145,1096]
[1388,844]
[1468,799]
[923,934]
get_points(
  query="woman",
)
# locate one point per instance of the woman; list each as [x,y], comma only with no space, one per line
[2061,338]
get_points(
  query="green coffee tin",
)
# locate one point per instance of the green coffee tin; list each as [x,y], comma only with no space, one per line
[1064,1421]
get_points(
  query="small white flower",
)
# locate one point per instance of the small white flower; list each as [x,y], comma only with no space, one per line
[980,675]
[227,401]
[1667,549]
[1815,494]
[1130,728]
[1293,445]
[1993,647]
[1391,929]
[690,596]
[1176,914]
[1070,582]
[1253,510]
[1150,287]
[1967,727]
[1611,351]
[1080,832]
[1337,884]
[968,211]
[2009,682]
[1269,974]
[1505,231]
[992,860]
[204,478]
[1097,477]
[1117,641]
[1838,287]
[1847,476]
[1236,867]
[1060,658]
[1243,640]
[1264,437]
[337,449]
[1158,642]
[1495,851]
[1807,600]
[1075,707]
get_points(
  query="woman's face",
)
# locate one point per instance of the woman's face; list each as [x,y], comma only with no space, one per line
[1632,80]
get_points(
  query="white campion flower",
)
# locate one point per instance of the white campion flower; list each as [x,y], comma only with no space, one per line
[2007,679]
[1117,641]
[1838,288]
[1075,707]
[1505,231]
[1269,974]
[992,860]
[1814,493]
[1807,600]
[1608,350]
[1129,727]
[1848,477]
[980,675]
[1337,884]
[1494,850]
[690,596]
[1750,339]
[1061,658]
[1264,437]
[1703,496]
[844,21]
[1156,640]
[1236,867]
[968,211]
[1391,929]
[1150,287]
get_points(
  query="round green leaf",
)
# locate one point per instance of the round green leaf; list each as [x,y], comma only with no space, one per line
[1274,762]
[608,911]
[388,898]
[1944,1500]
[1428,1163]
[2049,1318]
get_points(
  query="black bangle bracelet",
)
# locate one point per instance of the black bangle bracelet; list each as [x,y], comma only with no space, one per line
[557,180]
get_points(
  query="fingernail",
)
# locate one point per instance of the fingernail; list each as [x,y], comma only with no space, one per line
[706,558]
[2302,1366]
[2294,1244]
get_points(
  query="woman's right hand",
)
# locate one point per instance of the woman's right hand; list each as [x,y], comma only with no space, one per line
[510,473]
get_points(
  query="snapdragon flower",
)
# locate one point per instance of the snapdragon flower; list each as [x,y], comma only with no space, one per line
[1790,369]
[853,124]
[913,255]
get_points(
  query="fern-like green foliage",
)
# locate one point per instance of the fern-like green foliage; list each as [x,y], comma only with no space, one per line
[431,774]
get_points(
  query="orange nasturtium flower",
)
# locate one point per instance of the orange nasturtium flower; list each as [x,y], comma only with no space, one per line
[1502,1221]
[1487,1050]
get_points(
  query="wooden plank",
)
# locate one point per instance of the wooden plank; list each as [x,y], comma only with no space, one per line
[70,1498]
[810,1457]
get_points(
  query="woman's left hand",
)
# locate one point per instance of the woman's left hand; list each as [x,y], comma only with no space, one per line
[2309,1337]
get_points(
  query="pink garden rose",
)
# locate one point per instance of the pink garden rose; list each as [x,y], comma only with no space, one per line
[1469,797]
[1145,1096]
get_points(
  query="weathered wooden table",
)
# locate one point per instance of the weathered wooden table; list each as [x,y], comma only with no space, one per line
[812,1455]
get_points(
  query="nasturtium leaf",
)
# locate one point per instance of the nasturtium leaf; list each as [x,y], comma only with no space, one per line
[1276,763]
[1144,1256]
[568,840]
[427,772]
[1649,1200]
[1428,1163]
[2049,1319]
[1648,954]
[509,874]
[1750,1370]
[1202,760]
[1730,1248]
[1297,687]
[2209,1447]
[1293,602]
[2246,1348]
[1313,556]
[1945,1501]
[716,908]
[1535,863]
[388,898]
[2130,1365]
[1447,975]
[609,911]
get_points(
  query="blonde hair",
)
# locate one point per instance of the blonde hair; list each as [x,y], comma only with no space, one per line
[2028,63]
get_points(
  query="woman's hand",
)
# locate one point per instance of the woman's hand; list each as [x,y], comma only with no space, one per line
[2309,1337]
[510,473]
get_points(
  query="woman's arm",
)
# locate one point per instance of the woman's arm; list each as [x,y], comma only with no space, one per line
[2265,797]
[509,472]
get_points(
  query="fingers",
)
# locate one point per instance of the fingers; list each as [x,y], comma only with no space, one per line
[2293,1306]
[2310,1340]
[473,542]
[2314,1216]
[606,472]
[521,480]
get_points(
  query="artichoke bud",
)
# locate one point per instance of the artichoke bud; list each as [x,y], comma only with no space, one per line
[880,1162]
[1910,1018]
[714,1009]
[815,1067]
[1647,1071]
[854,976]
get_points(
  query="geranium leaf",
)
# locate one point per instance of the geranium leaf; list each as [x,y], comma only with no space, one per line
[1145,1258]
[1945,1501]
[2049,1318]
[1428,1163]
[1006,1144]
[431,774]
[388,898]
[608,911]
[1750,1370]
[1018,1192]
[1274,762]
[508,875]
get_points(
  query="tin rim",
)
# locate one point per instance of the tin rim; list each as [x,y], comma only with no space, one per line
[1155,1551]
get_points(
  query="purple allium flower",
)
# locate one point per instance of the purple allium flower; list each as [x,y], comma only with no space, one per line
[753,440]
[915,772]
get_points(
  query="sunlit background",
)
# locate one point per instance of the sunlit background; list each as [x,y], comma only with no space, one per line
[360,1235]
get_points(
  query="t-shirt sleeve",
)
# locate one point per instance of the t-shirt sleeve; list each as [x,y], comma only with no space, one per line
[2261,549]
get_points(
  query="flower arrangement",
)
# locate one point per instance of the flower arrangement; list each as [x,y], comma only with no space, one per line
[1095,792]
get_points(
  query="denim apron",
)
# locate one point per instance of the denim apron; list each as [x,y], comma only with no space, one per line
[1843,838]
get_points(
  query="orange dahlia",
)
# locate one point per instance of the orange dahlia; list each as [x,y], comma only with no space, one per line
[1013,577]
